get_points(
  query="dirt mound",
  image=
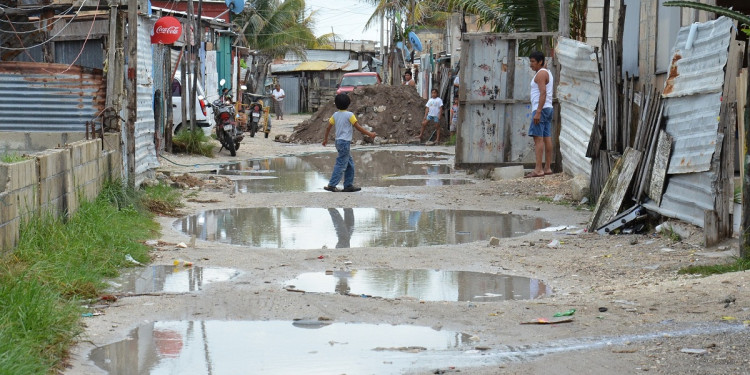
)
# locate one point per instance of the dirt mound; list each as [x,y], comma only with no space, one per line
[395,113]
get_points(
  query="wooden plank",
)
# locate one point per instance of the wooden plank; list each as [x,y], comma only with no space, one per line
[510,75]
[741,103]
[659,171]
[609,202]
[710,228]
[649,157]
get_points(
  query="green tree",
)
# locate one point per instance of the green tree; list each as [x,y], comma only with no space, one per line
[274,28]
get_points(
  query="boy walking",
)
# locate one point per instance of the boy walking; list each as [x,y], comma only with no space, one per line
[433,112]
[345,121]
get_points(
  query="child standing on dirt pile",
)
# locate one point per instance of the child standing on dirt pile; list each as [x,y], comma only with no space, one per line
[345,121]
[433,112]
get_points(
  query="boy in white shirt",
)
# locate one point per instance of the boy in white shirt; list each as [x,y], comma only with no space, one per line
[433,112]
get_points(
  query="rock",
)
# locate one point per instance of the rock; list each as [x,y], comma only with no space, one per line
[182,245]
[396,118]
[494,241]
[378,109]
[531,208]
[578,187]
[281,138]
[507,173]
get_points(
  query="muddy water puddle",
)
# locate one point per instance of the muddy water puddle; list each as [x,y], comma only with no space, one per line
[315,228]
[169,279]
[373,168]
[427,285]
[274,347]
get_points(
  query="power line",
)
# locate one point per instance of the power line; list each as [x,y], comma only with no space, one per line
[22,48]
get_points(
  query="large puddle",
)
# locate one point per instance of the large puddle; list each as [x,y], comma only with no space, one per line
[373,168]
[169,279]
[315,228]
[427,285]
[272,347]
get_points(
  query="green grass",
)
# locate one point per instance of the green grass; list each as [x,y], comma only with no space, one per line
[12,157]
[738,264]
[58,264]
[193,142]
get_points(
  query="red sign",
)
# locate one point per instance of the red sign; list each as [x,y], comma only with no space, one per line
[166,30]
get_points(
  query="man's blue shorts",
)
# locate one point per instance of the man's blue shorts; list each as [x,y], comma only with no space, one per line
[432,118]
[544,127]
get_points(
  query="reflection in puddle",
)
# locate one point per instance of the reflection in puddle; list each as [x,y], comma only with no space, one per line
[428,285]
[272,347]
[169,279]
[374,168]
[315,228]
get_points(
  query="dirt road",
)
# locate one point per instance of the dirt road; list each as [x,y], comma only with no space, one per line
[634,313]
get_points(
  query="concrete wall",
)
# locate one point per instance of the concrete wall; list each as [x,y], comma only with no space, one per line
[28,142]
[55,181]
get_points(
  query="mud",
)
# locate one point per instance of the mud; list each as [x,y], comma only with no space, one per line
[395,113]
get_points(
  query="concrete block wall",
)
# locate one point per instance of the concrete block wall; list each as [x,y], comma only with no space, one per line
[55,181]
[594,18]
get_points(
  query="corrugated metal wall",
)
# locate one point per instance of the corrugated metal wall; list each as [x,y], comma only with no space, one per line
[90,54]
[145,126]
[49,97]
[578,92]
[491,131]
[693,91]
[291,87]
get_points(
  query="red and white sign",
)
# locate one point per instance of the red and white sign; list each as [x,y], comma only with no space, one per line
[166,30]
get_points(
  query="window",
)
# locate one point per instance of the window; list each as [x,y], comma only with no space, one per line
[668,24]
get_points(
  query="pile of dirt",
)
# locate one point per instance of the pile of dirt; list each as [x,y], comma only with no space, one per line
[395,113]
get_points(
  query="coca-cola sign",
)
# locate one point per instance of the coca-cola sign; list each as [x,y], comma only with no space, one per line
[166,30]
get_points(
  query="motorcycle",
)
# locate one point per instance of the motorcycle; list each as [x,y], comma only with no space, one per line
[227,132]
[258,116]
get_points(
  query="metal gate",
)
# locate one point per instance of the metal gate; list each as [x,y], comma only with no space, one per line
[292,90]
[494,94]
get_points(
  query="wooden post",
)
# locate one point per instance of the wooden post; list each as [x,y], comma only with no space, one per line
[111,68]
[605,23]
[745,226]
[132,78]
[563,25]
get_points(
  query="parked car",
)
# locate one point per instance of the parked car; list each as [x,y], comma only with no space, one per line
[350,81]
[203,115]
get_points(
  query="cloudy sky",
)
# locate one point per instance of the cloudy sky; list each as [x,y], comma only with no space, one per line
[347,17]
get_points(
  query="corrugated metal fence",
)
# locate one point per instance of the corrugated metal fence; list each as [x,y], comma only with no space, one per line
[145,125]
[292,88]
[49,97]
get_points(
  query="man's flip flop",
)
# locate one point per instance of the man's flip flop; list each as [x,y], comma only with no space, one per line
[532,174]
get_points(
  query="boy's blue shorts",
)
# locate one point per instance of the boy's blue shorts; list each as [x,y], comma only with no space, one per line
[544,127]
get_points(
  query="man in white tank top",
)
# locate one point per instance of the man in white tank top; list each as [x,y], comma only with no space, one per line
[541,116]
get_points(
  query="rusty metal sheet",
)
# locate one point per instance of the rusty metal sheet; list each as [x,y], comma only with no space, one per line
[493,120]
[41,97]
[700,68]
[578,92]
[693,122]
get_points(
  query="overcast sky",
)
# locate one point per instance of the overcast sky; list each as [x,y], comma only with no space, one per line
[347,17]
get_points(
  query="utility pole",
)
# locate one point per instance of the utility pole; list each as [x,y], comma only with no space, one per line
[190,62]
[132,86]
[196,64]
[382,48]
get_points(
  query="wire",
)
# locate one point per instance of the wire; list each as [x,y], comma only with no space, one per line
[22,48]
[63,13]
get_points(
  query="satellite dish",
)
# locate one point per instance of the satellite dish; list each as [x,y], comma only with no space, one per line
[415,42]
[236,6]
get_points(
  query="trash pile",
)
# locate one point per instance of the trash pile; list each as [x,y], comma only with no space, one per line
[395,113]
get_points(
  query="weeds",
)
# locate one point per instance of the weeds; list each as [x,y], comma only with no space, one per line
[57,264]
[193,142]
[12,157]
[737,265]
[162,199]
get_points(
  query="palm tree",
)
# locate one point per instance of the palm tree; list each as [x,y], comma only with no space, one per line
[274,28]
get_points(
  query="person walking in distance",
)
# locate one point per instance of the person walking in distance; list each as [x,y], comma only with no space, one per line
[540,127]
[433,112]
[278,101]
[344,121]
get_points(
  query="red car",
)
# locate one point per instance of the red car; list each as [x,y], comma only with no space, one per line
[350,81]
